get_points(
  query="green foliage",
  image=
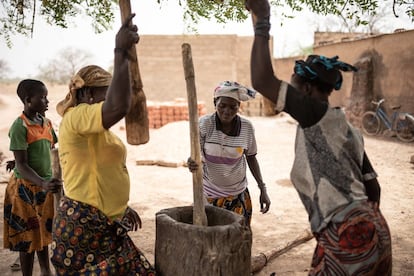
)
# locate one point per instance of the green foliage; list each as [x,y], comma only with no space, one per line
[18,16]
[101,11]
[348,8]
[221,11]
[408,5]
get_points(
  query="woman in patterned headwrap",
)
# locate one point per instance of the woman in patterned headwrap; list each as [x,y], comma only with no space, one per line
[227,141]
[331,172]
[90,229]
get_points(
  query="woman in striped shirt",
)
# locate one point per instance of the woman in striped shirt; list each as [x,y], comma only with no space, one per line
[227,143]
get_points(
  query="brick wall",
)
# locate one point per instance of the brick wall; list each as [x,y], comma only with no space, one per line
[162,113]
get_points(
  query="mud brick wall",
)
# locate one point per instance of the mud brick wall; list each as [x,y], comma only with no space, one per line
[216,58]
[392,71]
[227,57]
[253,107]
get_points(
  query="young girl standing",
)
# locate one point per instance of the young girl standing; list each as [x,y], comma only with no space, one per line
[28,202]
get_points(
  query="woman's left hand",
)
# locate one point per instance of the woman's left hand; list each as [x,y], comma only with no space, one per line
[264,201]
[133,219]
[10,165]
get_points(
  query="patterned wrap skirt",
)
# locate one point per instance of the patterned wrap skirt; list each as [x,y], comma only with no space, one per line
[240,204]
[28,216]
[86,242]
[357,241]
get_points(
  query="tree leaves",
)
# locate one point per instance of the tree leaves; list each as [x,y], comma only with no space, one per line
[19,16]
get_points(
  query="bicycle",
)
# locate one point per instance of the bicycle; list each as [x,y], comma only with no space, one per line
[402,123]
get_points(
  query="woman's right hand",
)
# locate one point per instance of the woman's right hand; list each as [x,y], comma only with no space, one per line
[127,35]
[192,165]
[54,185]
[133,219]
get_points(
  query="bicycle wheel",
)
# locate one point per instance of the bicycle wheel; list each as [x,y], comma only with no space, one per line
[370,123]
[405,129]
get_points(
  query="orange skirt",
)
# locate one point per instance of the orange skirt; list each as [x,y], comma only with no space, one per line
[28,216]
[240,204]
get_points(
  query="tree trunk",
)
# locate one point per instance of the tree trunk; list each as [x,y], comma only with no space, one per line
[221,248]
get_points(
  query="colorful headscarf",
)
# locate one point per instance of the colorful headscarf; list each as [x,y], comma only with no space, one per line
[88,76]
[234,90]
[323,69]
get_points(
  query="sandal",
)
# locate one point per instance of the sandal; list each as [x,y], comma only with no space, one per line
[16,265]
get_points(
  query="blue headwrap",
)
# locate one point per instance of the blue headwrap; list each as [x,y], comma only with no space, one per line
[322,69]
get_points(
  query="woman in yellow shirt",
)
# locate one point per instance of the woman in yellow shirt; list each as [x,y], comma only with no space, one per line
[90,229]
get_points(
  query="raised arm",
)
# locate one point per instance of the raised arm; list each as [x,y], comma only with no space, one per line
[261,70]
[118,97]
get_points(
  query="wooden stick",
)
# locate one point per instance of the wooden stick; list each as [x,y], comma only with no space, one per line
[136,120]
[199,213]
[56,173]
[261,260]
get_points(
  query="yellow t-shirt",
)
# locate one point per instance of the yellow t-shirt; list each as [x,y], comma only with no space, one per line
[93,161]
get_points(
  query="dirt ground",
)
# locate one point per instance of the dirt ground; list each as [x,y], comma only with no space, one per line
[156,187]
